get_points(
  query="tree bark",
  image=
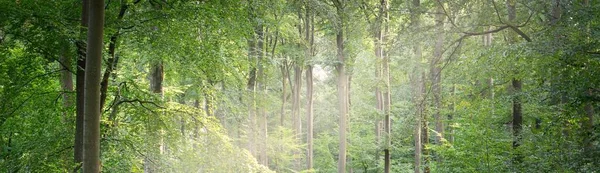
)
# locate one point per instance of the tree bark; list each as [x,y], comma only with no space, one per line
[79,86]
[416,84]
[424,128]
[91,135]
[310,29]
[296,119]
[341,86]
[382,37]
[284,76]
[156,79]
[436,74]
[517,113]
[66,81]
[261,126]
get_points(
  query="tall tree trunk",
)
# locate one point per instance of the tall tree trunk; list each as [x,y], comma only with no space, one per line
[309,116]
[416,84]
[487,42]
[91,135]
[436,74]
[341,102]
[382,37]
[156,77]
[341,86]
[296,119]
[424,127]
[310,29]
[253,54]
[260,110]
[517,114]
[251,88]
[79,86]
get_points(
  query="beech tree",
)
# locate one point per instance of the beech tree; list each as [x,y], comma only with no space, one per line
[299,86]
[93,64]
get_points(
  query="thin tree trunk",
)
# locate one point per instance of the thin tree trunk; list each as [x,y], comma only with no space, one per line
[66,81]
[261,117]
[310,28]
[284,76]
[251,87]
[208,105]
[91,135]
[424,128]
[79,87]
[386,79]
[450,134]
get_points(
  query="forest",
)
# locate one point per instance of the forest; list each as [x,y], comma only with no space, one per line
[299,86]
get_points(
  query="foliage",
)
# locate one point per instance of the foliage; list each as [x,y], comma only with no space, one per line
[203,121]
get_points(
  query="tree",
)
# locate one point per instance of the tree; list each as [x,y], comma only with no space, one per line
[309,26]
[341,84]
[91,132]
[80,84]
[517,113]
[436,73]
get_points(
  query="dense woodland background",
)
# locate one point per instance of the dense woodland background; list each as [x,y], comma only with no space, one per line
[299,85]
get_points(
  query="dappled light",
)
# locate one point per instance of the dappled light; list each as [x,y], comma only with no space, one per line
[293,86]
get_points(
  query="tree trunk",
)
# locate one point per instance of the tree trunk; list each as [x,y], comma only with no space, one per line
[341,87]
[386,79]
[450,134]
[91,135]
[309,116]
[310,29]
[261,126]
[424,127]
[341,102]
[517,114]
[66,81]
[79,87]
[416,84]
[296,119]
[251,87]
[436,74]
[284,76]
[156,86]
